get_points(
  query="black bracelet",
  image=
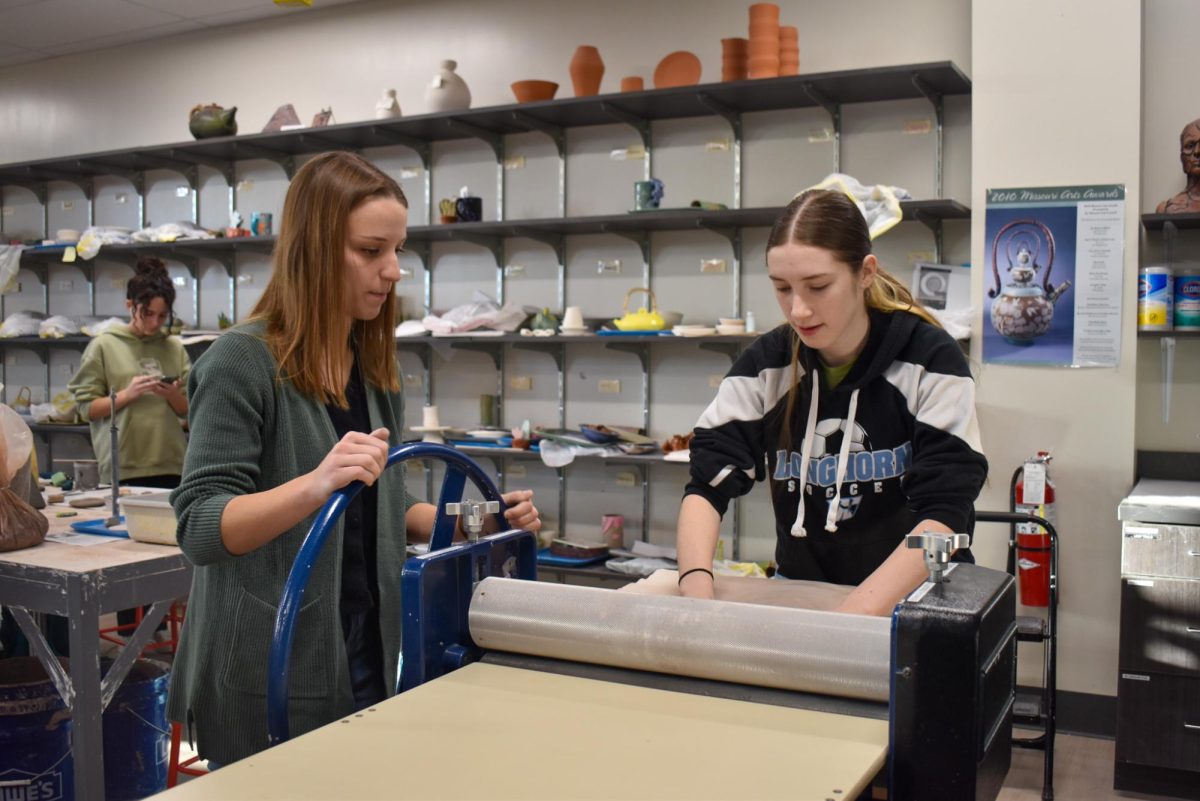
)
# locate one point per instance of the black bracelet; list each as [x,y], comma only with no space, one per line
[687,573]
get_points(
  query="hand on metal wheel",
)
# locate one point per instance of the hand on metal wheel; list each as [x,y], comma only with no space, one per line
[356,457]
[520,511]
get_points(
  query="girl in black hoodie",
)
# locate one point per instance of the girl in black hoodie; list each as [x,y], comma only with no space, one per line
[860,411]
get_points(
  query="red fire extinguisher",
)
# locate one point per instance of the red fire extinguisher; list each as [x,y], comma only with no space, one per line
[1033,493]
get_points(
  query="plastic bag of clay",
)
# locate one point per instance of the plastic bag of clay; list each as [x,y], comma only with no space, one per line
[95,326]
[481,312]
[22,324]
[21,526]
[57,327]
[61,409]
[10,264]
[879,204]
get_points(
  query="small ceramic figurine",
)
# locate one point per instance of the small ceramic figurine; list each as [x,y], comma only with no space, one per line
[1189,157]
[388,106]
[284,115]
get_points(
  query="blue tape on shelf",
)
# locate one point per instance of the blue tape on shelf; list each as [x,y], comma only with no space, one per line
[98,527]
[544,557]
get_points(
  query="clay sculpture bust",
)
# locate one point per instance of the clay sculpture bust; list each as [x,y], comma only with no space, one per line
[1189,156]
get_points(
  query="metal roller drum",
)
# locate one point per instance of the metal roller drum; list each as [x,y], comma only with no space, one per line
[766,646]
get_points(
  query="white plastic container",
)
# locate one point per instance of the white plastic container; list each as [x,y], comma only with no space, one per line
[149,518]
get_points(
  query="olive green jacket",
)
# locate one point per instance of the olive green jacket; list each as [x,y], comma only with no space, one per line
[249,433]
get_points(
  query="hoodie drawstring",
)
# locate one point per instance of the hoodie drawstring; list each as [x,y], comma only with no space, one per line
[806,454]
[843,458]
[810,428]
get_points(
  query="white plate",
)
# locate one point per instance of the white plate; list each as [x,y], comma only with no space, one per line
[487,433]
[693,331]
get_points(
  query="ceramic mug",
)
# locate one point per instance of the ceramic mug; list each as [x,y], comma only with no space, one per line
[87,475]
[572,317]
[469,209]
[260,223]
[487,410]
[612,530]
[647,194]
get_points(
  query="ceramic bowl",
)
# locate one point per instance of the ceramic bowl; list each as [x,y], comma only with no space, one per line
[680,68]
[731,321]
[532,91]
[671,318]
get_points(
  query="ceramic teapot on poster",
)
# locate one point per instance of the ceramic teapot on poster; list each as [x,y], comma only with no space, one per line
[1024,310]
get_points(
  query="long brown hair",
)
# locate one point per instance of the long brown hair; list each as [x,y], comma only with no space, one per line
[302,304]
[832,221]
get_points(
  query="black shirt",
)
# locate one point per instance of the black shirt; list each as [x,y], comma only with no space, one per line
[360,580]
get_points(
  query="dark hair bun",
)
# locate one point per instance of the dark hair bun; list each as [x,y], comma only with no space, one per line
[151,266]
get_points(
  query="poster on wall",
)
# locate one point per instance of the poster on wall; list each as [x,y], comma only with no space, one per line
[1052,287]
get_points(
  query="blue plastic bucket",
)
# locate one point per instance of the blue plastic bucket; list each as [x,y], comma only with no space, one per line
[35,735]
[137,737]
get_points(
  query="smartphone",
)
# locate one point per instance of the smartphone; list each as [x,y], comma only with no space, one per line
[167,379]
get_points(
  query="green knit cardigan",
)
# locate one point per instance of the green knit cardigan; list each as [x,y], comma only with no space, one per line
[249,433]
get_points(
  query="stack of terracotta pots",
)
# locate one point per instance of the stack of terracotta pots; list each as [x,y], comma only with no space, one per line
[763,52]
[734,53]
[789,50]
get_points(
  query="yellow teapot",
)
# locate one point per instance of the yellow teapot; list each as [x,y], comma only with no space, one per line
[642,319]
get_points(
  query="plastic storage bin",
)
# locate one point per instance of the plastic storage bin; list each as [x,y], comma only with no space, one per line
[150,517]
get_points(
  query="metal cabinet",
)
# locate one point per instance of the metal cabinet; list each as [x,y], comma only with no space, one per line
[1158,692]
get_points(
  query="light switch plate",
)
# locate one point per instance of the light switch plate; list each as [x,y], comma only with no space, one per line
[712,265]
[609,385]
[521,382]
[608,266]
[514,270]
[626,479]
[413,379]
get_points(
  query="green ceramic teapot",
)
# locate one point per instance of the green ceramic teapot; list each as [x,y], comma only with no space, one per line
[212,120]
[544,319]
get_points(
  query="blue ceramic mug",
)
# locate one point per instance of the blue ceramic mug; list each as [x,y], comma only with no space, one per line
[647,194]
[469,209]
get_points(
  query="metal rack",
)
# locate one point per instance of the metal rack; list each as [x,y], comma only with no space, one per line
[730,101]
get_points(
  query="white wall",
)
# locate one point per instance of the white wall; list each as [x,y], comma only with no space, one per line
[1169,103]
[1046,75]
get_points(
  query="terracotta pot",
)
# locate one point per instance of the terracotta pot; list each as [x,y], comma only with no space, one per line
[789,50]
[733,59]
[764,11]
[587,68]
[532,91]
[632,83]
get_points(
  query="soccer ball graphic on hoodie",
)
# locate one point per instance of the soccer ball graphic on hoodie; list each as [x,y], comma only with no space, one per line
[827,444]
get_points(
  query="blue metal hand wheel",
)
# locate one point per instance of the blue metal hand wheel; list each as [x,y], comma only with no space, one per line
[459,467]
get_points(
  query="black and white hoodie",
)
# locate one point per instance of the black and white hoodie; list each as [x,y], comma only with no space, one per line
[912,452]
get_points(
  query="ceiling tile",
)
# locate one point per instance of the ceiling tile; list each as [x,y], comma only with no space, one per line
[191,9]
[123,37]
[56,22]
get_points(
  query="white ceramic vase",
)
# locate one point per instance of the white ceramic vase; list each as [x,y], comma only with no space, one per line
[388,106]
[447,91]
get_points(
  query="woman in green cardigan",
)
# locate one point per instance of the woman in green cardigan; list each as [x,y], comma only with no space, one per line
[296,403]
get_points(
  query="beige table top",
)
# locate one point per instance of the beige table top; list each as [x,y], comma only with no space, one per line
[492,732]
[84,559]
